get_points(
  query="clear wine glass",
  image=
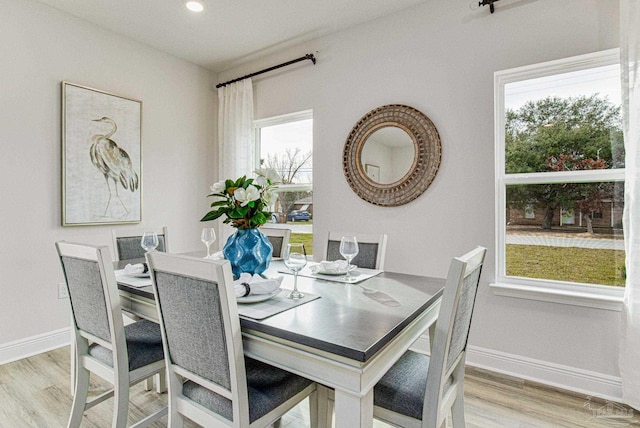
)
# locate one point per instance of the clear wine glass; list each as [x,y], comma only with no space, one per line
[349,249]
[149,241]
[208,236]
[295,258]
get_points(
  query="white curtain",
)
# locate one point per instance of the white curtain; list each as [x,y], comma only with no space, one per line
[630,66]
[235,136]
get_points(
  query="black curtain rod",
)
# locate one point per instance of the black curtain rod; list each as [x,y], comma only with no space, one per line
[310,57]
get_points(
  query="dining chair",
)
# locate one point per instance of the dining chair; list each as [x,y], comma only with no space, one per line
[210,381]
[279,239]
[371,252]
[103,345]
[126,243]
[421,391]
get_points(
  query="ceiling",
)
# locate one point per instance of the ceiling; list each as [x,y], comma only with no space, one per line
[228,31]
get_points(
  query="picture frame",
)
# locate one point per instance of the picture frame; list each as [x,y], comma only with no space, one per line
[372,171]
[101,157]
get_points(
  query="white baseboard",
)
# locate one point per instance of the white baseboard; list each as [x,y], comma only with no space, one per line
[569,378]
[34,345]
[560,376]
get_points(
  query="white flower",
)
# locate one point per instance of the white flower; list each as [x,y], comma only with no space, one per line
[218,187]
[244,196]
[270,174]
[269,197]
[260,181]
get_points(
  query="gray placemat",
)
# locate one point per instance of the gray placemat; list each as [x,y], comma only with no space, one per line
[275,305]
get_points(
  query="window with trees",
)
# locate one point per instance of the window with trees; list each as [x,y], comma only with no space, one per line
[560,174]
[285,143]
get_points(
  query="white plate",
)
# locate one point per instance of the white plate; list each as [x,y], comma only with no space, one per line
[255,298]
[139,275]
[336,272]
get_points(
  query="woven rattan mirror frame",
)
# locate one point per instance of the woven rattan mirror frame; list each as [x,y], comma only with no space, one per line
[428,151]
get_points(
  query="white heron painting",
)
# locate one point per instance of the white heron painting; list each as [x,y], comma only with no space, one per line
[101,157]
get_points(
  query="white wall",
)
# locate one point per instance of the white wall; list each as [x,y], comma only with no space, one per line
[40,48]
[440,58]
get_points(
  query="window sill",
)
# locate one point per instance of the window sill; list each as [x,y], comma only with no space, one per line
[610,300]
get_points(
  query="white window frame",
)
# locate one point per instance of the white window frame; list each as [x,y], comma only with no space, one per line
[280,120]
[595,296]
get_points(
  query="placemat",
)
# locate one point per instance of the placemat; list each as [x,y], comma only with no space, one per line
[275,305]
[131,280]
[359,274]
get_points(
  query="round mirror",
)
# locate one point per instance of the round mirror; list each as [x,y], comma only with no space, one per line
[392,155]
[388,154]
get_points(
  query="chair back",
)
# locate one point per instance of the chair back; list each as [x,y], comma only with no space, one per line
[279,239]
[200,327]
[372,249]
[448,351]
[126,244]
[93,292]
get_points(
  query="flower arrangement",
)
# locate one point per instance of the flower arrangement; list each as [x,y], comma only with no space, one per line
[245,201]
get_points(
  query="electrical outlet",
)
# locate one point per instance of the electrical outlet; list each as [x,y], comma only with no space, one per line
[62,291]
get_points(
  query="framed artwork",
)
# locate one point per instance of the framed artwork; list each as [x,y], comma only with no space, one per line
[101,157]
[373,172]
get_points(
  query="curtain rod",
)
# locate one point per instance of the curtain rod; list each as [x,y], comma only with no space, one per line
[310,57]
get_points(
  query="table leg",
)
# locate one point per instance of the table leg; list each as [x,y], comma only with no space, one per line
[353,411]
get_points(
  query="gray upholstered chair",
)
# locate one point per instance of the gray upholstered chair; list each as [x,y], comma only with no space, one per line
[126,243]
[420,391]
[211,382]
[279,239]
[371,253]
[122,355]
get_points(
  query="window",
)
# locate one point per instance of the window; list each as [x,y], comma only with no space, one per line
[560,176]
[285,143]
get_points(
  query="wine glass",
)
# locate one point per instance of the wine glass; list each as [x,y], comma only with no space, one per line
[295,258]
[149,241]
[348,250]
[208,236]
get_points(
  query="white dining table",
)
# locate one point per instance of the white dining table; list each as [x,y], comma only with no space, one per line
[347,339]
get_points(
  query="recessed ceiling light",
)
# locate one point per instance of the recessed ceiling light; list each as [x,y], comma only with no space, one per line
[194,5]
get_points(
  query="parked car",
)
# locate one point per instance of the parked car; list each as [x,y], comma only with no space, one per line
[299,215]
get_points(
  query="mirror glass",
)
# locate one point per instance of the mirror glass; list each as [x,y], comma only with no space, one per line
[387,154]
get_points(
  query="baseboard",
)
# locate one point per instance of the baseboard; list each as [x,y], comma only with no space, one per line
[560,376]
[556,375]
[34,345]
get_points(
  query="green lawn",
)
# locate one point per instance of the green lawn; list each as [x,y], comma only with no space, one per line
[584,265]
[303,238]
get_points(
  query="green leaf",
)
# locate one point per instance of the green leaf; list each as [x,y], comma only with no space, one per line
[218,203]
[212,215]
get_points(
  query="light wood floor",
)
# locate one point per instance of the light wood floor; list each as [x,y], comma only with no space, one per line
[34,392]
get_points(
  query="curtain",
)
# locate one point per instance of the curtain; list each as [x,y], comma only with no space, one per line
[630,326]
[235,136]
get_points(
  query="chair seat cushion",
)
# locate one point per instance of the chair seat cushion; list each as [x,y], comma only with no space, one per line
[402,388]
[268,387]
[144,345]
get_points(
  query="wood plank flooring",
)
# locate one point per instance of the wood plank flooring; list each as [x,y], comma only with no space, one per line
[34,392]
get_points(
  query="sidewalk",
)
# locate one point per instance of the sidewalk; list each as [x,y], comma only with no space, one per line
[559,240]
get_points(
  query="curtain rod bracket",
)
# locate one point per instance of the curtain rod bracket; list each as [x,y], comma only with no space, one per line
[488,2]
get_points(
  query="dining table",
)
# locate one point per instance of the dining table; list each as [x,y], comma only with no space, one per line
[346,337]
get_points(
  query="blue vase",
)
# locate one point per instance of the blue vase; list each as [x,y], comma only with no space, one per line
[248,250]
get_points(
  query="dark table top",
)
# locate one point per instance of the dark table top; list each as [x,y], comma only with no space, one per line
[351,320]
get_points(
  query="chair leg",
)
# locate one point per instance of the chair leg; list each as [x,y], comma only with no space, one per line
[120,404]
[457,412]
[81,390]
